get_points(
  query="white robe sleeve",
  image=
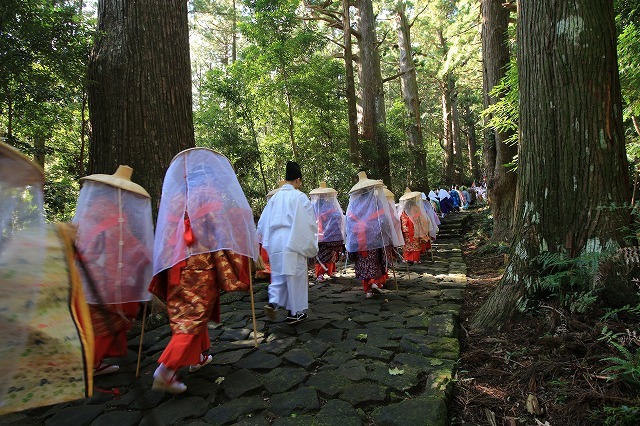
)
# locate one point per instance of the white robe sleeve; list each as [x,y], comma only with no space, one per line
[303,238]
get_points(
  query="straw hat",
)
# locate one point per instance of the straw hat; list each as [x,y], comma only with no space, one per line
[274,190]
[389,194]
[364,182]
[17,169]
[322,189]
[120,179]
[409,194]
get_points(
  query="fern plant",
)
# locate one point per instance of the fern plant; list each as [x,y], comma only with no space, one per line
[626,367]
[565,279]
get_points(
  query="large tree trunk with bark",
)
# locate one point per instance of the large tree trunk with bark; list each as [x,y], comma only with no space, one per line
[417,178]
[350,87]
[372,91]
[572,161]
[501,183]
[140,89]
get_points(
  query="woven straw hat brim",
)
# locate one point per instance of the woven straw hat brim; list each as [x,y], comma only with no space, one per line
[366,183]
[320,191]
[410,195]
[388,193]
[26,171]
[117,182]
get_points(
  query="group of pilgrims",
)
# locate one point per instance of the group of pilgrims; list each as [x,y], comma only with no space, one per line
[204,242]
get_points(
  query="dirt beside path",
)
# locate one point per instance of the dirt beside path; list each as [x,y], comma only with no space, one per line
[545,368]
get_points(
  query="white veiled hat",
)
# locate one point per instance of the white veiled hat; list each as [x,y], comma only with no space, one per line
[120,179]
[323,189]
[17,169]
[409,194]
[364,182]
[389,194]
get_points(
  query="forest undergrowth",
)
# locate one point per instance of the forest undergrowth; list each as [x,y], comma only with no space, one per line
[548,367]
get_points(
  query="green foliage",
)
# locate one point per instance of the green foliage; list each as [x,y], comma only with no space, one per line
[626,367]
[614,313]
[628,60]
[622,416]
[563,279]
[43,55]
[504,114]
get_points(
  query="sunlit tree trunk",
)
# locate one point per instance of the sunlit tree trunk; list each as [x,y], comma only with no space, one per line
[418,179]
[372,91]
[501,183]
[572,162]
[456,134]
[472,143]
[350,87]
[447,135]
[39,149]
[290,125]
[140,98]
[234,35]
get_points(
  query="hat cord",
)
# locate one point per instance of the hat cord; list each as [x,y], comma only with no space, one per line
[118,284]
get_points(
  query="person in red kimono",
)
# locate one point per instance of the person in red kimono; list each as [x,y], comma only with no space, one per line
[114,244]
[370,234]
[331,224]
[415,226]
[204,238]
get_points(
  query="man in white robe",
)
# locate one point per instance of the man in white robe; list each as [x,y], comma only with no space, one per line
[288,228]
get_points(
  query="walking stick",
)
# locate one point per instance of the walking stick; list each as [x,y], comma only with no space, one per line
[144,319]
[346,259]
[253,308]
[394,275]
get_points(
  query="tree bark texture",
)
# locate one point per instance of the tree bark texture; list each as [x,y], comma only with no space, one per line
[140,98]
[501,183]
[372,90]
[572,159]
[418,179]
[350,87]
[456,134]
[472,143]
[447,135]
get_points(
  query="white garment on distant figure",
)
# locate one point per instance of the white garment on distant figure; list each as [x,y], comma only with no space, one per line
[288,228]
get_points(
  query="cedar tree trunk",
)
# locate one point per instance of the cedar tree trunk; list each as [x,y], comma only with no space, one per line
[140,89]
[572,160]
[501,183]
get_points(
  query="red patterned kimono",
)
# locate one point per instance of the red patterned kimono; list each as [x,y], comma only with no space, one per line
[370,265]
[191,290]
[412,245]
[265,272]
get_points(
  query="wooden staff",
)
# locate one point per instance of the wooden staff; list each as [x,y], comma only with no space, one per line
[394,275]
[253,307]
[406,262]
[144,319]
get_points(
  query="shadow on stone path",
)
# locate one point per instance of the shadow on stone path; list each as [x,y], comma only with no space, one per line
[356,361]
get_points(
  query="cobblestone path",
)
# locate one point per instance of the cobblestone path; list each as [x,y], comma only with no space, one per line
[387,360]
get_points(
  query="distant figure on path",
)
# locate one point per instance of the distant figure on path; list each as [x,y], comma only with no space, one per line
[331,228]
[415,226]
[370,233]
